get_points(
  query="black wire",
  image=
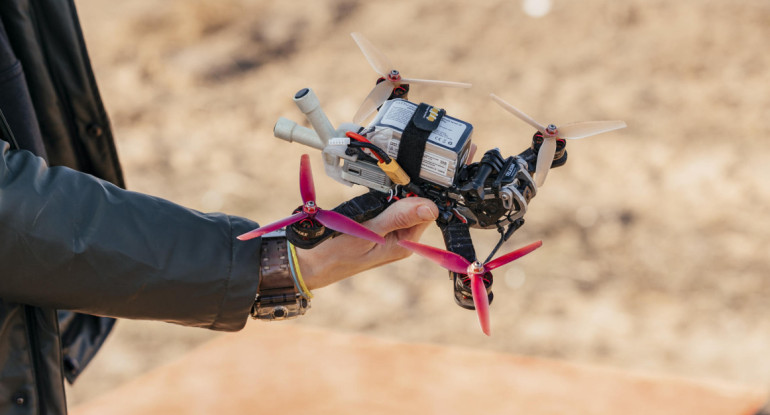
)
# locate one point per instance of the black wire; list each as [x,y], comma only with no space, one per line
[362,155]
[505,234]
[7,133]
[383,155]
[499,243]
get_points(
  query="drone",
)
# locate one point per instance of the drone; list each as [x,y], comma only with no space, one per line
[411,149]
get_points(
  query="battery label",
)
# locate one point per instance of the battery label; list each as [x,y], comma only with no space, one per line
[393,148]
[448,133]
[399,114]
[437,164]
[431,162]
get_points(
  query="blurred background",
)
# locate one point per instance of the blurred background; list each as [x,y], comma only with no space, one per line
[655,254]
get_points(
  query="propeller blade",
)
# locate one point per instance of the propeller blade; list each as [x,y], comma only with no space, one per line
[449,84]
[512,256]
[379,62]
[544,159]
[446,259]
[306,186]
[379,94]
[588,128]
[481,302]
[515,111]
[272,226]
[344,224]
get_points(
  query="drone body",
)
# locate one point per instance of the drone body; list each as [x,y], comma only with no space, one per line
[412,149]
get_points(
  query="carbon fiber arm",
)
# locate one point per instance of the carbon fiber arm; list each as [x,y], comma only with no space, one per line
[360,209]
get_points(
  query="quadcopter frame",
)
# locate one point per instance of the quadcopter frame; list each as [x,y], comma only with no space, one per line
[418,150]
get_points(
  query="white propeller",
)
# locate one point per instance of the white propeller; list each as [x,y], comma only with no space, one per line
[551,133]
[382,65]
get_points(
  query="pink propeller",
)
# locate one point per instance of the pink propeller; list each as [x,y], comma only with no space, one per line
[551,133]
[474,270]
[328,218]
[382,65]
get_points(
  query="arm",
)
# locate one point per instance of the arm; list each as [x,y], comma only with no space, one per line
[71,241]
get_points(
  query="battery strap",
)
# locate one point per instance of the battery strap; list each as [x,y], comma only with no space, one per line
[414,137]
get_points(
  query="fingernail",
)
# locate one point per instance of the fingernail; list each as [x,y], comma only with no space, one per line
[425,213]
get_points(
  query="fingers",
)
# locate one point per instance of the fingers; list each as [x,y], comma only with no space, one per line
[404,214]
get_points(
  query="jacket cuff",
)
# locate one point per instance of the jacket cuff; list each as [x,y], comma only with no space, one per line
[243,278]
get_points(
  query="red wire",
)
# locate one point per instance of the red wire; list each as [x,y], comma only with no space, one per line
[359,137]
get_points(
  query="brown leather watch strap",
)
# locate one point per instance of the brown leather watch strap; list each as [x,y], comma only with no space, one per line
[274,272]
[278,296]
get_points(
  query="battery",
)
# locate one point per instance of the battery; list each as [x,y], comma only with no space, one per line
[447,147]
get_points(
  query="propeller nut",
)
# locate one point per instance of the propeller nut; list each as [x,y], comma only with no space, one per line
[309,207]
[476,268]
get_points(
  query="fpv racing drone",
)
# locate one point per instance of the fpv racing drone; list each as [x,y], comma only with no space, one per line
[413,149]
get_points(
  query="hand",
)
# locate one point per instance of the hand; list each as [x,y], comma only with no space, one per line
[341,257]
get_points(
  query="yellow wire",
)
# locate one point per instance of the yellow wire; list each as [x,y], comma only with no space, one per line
[299,274]
[294,273]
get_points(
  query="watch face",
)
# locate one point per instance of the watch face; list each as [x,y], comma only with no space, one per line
[280,312]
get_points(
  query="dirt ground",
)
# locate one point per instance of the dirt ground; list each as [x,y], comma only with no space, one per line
[655,238]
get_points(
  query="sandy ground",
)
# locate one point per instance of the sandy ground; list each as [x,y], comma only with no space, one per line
[656,237]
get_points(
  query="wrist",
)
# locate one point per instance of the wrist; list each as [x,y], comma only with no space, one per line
[310,267]
[334,260]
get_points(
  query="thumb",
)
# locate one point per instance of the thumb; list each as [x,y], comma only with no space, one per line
[404,214]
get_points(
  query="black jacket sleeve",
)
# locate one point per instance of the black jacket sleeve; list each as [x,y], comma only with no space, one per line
[74,242]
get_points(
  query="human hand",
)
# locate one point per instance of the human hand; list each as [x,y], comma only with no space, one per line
[344,256]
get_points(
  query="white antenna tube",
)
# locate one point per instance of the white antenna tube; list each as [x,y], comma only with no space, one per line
[308,103]
[290,131]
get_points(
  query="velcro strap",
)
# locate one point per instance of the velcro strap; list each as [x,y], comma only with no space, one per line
[414,137]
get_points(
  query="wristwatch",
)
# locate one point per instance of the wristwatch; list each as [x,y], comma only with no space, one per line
[278,297]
